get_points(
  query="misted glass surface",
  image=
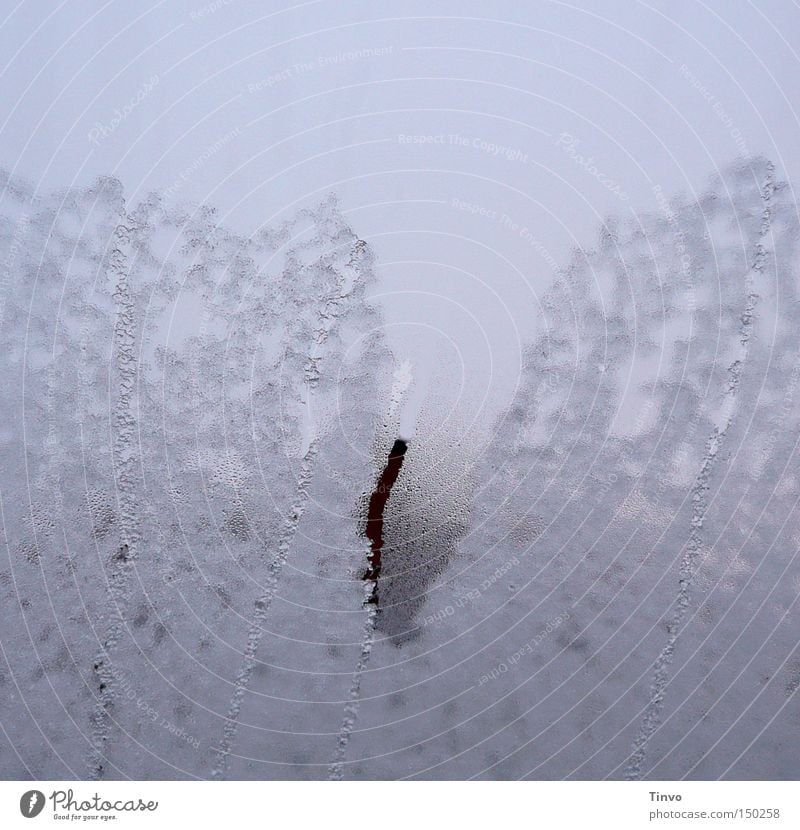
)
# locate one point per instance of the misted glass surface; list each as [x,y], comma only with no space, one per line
[471,458]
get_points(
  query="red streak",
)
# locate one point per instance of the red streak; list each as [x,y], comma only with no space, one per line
[377,505]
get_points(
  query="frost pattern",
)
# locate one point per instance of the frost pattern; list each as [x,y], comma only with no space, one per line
[191,427]
[694,548]
[178,398]
[639,488]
